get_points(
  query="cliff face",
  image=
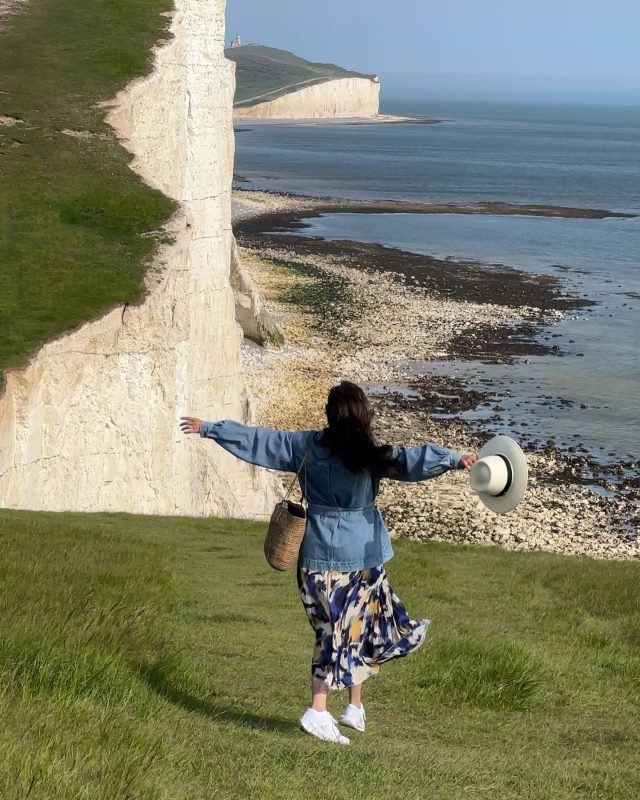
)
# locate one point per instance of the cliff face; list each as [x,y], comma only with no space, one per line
[344,97]
[92,423]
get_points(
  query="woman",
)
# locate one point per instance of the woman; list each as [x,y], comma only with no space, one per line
[359,622]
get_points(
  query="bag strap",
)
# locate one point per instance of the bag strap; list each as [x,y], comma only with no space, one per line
[303,463]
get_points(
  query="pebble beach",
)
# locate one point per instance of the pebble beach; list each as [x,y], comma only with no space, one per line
[361,312]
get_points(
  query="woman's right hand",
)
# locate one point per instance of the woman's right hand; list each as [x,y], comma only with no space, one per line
[190,424]
[467,461]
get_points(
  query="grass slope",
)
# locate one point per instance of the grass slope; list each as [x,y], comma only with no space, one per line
[73,215]
[267,72]
[161,658]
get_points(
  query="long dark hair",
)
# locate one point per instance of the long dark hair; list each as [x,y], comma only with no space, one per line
[349,431]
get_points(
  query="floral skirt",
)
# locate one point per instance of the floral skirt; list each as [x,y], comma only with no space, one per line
[359,624]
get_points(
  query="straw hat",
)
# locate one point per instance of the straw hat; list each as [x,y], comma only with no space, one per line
[500,474]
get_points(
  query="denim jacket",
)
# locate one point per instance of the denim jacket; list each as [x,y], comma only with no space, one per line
[345,530]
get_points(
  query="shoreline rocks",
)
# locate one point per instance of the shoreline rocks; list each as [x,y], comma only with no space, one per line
[342,318]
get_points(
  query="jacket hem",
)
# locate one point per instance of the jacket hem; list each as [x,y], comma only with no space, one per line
[319,565]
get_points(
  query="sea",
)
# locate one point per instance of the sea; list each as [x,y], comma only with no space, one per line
[586,395]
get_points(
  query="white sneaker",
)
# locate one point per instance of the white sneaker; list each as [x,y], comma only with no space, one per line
[322,725]
[354,717]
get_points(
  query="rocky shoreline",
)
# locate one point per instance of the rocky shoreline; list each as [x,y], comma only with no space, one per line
[360,312]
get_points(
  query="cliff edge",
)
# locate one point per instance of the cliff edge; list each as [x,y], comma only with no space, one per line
[92,423]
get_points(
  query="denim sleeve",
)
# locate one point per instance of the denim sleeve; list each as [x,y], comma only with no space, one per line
[264,447]
[422,463]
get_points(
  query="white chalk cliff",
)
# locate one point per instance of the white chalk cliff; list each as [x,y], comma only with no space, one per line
[91,424]
[340,97]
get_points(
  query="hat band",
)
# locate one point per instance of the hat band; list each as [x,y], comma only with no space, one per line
[507,485]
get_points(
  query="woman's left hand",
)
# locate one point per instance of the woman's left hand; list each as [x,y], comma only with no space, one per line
[466,462]
[190,424]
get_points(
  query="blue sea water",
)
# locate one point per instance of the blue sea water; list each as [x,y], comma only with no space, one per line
[585,156]
[572,155]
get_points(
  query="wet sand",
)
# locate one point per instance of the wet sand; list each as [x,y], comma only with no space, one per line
[360,312]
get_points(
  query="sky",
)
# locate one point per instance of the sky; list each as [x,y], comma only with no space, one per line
[586,50]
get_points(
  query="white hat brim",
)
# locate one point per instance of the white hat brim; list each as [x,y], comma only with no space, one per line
[509,449]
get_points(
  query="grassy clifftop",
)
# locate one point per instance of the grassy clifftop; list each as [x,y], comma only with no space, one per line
[76,224]
[162,659]
[264,73]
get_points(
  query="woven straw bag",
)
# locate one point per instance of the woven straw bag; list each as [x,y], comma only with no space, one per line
[287,527]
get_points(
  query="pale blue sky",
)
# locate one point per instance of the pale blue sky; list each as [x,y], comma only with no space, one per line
[584,48]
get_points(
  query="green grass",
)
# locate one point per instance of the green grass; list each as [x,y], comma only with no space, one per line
[328,297]
[148,657]
[77,225]
[268,71]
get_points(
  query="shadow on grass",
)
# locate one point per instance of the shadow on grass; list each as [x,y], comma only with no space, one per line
[158,678]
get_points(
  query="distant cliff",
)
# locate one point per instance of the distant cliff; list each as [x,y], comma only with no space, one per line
[344,97]
[276,84]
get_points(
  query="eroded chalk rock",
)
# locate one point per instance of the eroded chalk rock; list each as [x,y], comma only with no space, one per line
[92,423]
[341,97]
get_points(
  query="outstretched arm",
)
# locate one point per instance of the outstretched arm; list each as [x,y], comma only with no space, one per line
[264,447]
[428,461]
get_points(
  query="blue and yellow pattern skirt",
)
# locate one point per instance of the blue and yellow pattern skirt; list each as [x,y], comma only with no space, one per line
[359,623]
